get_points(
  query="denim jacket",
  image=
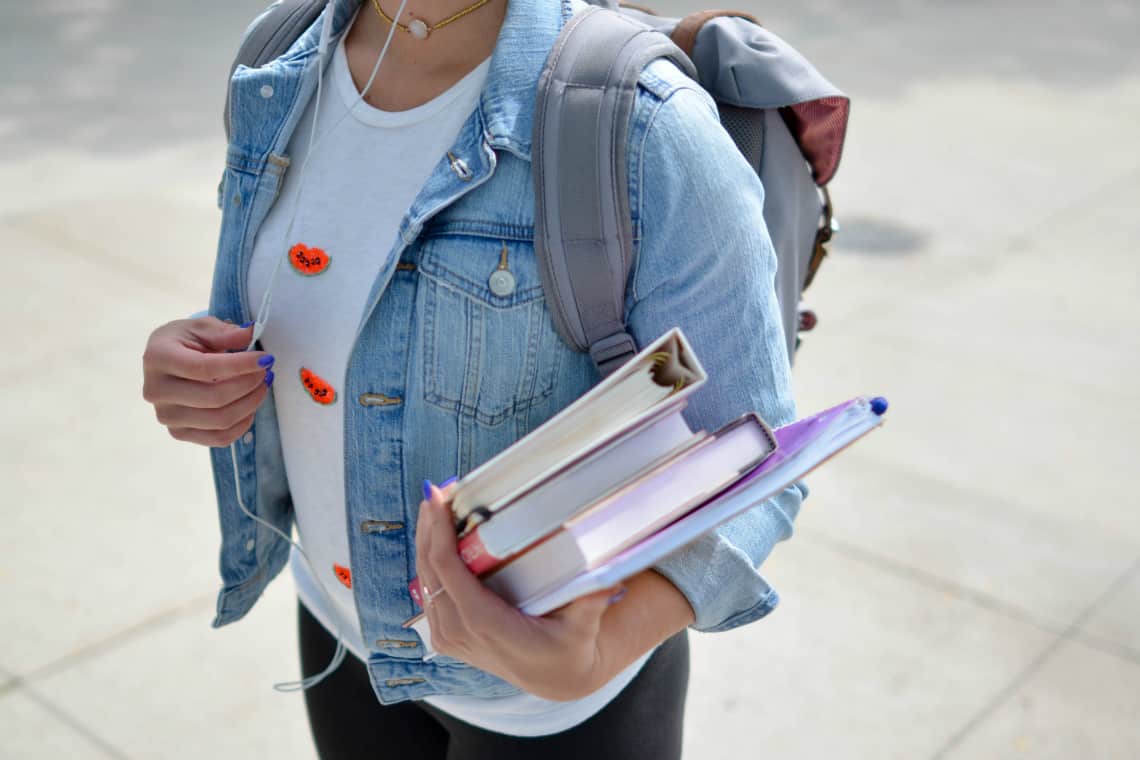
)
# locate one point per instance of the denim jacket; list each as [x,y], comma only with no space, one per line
[445,373]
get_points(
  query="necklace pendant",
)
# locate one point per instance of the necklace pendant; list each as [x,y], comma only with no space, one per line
[418,29]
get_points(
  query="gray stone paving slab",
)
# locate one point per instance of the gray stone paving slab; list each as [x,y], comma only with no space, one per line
[109,521]
[1017,434]
[153,244]
[152,74]
[68,303]
[1057,304]
[1080,703]
[42,181]
[1118,620]
[886,47]
[1038,565]
[186,690]
[31,731]
[854,663]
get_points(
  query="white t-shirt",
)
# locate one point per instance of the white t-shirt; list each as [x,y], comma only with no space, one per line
[366,171]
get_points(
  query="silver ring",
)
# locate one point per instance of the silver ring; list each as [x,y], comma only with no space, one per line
[430,596]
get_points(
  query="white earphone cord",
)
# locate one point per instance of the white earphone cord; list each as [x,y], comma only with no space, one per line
[267,300]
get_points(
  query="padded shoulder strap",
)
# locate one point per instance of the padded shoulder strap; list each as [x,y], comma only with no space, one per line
[271,35]
[583,228]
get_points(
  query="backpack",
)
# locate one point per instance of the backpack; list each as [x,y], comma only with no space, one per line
[787,120]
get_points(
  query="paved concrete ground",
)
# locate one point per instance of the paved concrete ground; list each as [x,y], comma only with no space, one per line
[965,584]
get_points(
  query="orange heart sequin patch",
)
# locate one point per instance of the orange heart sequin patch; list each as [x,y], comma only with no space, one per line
[319,390]
[344,575]
[308,261]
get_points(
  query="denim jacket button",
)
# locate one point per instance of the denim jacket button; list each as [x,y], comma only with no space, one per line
[502,282]
[460,167]
[247,439]
[250,544]
[267,91]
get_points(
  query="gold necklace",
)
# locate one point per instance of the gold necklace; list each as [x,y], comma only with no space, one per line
[420,29]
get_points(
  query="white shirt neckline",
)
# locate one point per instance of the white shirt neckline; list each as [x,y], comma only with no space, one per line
[376,117]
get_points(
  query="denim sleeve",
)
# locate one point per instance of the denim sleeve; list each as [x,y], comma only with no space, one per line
[705,262]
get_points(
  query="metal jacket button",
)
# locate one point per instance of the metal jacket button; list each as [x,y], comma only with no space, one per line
[378,399]
[459,166]
[379,526]
[502,281]
[395,644]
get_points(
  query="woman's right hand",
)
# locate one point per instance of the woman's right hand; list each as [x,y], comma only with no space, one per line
[200,391]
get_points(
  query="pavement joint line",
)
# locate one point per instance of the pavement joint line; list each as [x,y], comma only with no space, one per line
[74,724]
[11,683]
[1109,647]
[1021,678]
[77,248]
[931,580]
[120,638]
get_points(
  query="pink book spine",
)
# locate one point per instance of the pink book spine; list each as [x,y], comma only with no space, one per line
[473,553]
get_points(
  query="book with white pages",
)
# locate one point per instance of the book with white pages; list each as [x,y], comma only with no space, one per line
[637,509]
[541,510]
[802,446]
[664,372]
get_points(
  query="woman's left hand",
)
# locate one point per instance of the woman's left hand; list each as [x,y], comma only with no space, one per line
[558,656]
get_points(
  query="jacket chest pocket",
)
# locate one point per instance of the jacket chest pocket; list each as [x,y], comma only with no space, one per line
[490,348]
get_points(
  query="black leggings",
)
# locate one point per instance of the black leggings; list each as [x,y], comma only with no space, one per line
[347,721]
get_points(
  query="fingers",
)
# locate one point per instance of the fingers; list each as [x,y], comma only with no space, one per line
[473,600]
[199,391]
[189,363]
[213,437]
[196,350]
[168,391]
[464,613]
[443,618]
[206,416]
[215,335]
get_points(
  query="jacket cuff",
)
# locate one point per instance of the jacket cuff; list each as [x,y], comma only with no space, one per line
[718,574]
[720,583]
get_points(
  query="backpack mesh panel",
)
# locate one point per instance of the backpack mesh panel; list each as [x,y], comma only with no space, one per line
[746,127]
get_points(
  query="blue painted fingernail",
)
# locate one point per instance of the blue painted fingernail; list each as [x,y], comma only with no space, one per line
[449,481]
[427,490]
[878,405]
[266,360]
[247,324]
[619,595]
[269,377]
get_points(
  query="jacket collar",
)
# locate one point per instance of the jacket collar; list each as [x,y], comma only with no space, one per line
[507,102]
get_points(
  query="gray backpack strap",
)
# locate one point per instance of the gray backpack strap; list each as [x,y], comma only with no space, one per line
[270,35]
[583,226]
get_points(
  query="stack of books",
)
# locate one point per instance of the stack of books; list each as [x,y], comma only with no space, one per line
[617,480]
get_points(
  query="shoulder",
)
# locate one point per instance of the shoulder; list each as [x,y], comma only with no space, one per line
[677,147]
[676,121]
[667,99]
[661,79]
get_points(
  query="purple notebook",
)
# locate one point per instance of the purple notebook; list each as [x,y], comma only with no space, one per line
[801,447]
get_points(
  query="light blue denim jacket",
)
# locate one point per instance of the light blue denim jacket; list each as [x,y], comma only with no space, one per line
[444,373]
